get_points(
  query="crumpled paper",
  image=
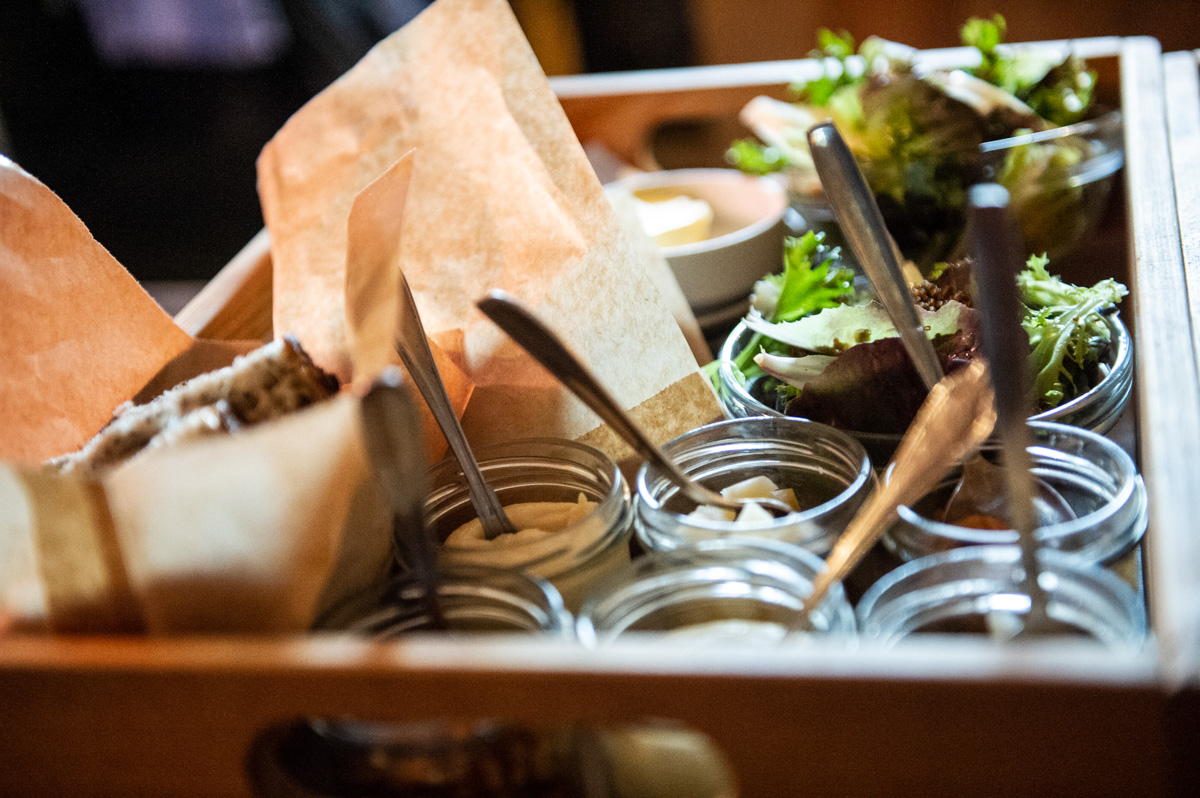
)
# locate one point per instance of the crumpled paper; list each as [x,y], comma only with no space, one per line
[270,530]
[443,154]
[78,335]
[501,195]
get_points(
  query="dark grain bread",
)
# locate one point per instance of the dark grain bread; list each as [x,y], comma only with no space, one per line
[269,382]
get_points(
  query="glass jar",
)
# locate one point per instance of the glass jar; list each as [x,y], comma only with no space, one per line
[473,599]
[978,590]
[1057,196]
[1097,409]
[1095,476]
[742,591]
[352,756]
[828,470]
[540,470]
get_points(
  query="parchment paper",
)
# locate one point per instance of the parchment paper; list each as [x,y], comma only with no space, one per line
[78,335]
[501,196]
[279,527]
[270,530]
[373,295]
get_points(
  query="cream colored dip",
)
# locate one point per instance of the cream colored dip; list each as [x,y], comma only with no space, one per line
[535,521]
[556,541]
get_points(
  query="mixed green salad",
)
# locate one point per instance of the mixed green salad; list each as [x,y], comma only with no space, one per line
[921,136]
[825,351]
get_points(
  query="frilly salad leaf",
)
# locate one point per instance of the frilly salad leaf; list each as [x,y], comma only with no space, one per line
[918,142]
[873,387]
[1066,330]
[844,365]
[837,329]
[1058,89]
[754,158]
[812,280]
[835,49]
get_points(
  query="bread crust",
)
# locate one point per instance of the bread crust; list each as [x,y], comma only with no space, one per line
[273,380]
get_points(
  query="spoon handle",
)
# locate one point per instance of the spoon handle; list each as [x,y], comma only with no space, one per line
[393,442]
[414,351]
[953,421]
[862,223]
[546,348]
[995,247]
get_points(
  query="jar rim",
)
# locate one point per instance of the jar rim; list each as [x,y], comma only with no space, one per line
[509,589]
[1130,604]
[495,454]
[643,580]
[1129,489]
[861,480]
[1120,371]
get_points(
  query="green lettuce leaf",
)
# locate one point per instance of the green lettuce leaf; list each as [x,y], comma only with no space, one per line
[1066,330]
[837,329]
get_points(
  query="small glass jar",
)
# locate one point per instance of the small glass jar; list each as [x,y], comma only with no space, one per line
[472,599]
[1097,409]
[828,470]
[541,470]
[978,590]
[351,756]
[741,591]
[1095,476]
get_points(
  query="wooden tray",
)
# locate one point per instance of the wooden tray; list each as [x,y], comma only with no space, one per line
[178,717]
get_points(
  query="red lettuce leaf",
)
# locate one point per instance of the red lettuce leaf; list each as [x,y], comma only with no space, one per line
[873,387]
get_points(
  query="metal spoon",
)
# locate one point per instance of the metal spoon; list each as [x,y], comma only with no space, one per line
[413,347]
[954,420]
[995,247]
[393,440]
[551,352]
[862,224]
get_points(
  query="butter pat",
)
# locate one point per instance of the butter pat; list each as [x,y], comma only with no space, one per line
[673,221]
[751,514]
[570,544]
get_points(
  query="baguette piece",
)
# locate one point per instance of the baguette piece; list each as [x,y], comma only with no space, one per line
[269,382]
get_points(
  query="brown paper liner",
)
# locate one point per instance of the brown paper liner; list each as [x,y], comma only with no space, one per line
[500,195]
[279,526]
[79,557]
[78,335]
[372,290]
[246,533]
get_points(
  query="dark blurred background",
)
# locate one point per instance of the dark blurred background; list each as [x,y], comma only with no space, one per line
[146,116]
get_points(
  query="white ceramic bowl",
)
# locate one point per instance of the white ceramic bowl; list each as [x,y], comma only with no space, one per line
[747,232]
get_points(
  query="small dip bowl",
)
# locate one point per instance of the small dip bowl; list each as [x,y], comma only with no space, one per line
[1094,475]
[747,234]
[1097,409]
[828,470]
[540,470]
[731,591]
[977,590]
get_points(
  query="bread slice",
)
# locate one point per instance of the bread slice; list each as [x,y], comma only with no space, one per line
[273,380]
